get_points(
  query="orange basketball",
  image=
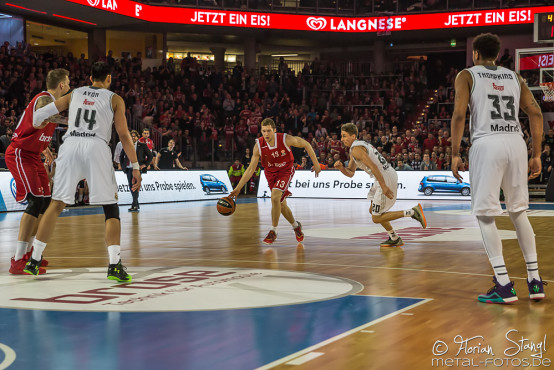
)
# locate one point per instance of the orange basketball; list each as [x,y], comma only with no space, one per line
[226,206]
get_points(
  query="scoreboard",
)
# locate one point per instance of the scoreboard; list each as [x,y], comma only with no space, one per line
[544,28]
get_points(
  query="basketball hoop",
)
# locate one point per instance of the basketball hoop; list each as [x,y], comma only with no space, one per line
[548,90]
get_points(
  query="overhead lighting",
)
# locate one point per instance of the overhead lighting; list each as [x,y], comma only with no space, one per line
[2,15]
[74,19]
[22,7]
[284,55]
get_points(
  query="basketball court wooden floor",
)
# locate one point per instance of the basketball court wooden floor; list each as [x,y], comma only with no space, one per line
[207,295]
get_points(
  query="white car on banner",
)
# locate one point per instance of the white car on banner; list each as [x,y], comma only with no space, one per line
[411,185]
[156,187]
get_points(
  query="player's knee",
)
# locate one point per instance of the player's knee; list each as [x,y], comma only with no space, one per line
[376,218]
[45,204]
[34,205]
[485,220]
[111,211]
[276,196]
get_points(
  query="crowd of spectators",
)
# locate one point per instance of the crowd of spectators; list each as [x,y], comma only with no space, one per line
[214,114]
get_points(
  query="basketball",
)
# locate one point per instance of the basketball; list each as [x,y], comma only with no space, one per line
[226,206]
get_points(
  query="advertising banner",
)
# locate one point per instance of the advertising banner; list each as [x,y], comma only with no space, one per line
[411,185]
[408,22]
[156,187]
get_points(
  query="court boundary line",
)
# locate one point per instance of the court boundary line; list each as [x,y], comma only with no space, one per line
[295,263]
[342,335]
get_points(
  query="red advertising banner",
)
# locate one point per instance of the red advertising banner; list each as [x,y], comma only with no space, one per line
[208,17]
[537,61]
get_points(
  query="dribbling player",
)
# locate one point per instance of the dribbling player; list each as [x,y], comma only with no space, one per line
[498,159]
[383,193]
[278,163]
[85,154]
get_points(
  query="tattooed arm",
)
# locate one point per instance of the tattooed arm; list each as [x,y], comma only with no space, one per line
[529,105]
[61,104]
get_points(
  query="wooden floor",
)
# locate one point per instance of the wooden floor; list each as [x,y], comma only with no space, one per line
[447,268]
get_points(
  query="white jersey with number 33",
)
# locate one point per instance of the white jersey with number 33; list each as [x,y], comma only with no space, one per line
[494,101]
[90,113]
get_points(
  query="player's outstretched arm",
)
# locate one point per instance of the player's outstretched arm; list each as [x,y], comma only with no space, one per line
[347,171]
[46,110]
[361,155]
[120,123]
[529,105]
[248,173]
[462,86]
[298,142]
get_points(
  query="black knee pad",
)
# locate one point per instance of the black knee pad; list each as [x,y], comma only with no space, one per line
[111,211]
[45,204]
[34,205]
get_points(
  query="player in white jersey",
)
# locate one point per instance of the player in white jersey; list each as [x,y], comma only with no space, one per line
[383,192]
[85,154]
[498,158]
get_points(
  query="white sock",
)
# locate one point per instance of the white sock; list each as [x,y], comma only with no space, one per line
[30,245]
[294,224]
[20,250]
[493,247]
[38,248]
[274,229]
[393,235]
[114,251]
[526,239]
[409,213]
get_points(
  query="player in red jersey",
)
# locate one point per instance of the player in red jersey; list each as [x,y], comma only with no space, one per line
[278,163]
[25,164]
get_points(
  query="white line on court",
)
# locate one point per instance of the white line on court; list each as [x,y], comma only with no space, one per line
[303,359]
[340,336]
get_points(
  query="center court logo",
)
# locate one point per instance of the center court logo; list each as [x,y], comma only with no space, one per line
[173,289]
[8,355]
[315,23]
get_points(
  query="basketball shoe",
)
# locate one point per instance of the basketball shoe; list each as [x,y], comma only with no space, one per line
[536,289]
[18,266]
[271,236]
[27,256]
[33,267]
[118,272]
[392,243]
[298,233]
[499,293]
[419,216]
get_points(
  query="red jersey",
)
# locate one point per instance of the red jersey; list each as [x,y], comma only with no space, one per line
[277,158]
[28,138]
[149,143]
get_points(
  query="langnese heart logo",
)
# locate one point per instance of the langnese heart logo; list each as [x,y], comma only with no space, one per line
[315,23]
[93,2]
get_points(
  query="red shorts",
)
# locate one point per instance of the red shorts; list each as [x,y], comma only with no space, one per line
[28,172]
[280,180]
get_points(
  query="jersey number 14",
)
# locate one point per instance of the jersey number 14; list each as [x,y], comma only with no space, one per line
[89,117]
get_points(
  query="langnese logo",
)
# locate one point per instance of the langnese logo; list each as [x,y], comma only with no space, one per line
[105,4]
[316,23]
[13,188]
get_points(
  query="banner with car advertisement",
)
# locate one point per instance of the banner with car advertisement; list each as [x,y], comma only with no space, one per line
[411,185]
[156,187]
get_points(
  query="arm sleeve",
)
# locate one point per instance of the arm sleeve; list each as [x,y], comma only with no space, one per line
[44,113]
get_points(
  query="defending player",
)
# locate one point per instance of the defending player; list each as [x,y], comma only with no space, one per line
[383,193]
[278,163]
[498,159]
[85,154]
[24,162]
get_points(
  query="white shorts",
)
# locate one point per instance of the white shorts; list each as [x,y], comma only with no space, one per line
[380,202]
[498,161]
[89,159]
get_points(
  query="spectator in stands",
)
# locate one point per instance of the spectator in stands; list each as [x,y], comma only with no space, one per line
[5,140]
[303,164]
[246,158]
[416,163]
[235,172]
[506,60]
[546,160]
[430,142]
[401,166]
[427,164]
[168,158]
